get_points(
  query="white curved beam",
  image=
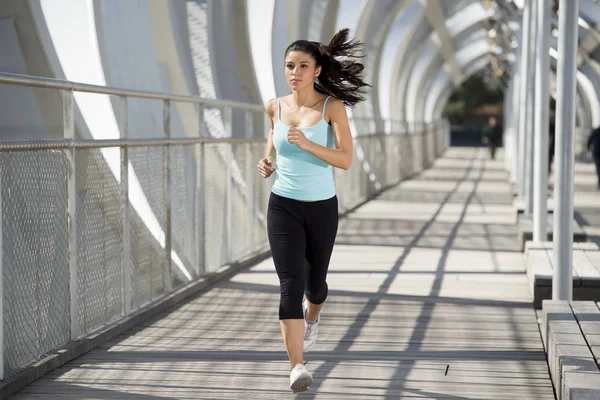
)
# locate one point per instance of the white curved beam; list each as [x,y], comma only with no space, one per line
[435,15]
[395,42]
[436,104]
[457,26]
[373,28]
[405,67]
[439,85]
[421,70]
[285,30]
[423,73]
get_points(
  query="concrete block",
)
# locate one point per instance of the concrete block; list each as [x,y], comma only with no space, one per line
[525,223]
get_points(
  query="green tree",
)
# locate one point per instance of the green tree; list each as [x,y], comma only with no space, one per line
[472,94]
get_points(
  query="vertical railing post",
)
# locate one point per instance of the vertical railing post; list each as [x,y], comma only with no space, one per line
[1,287]
[126,224]
[540,193]
[229,192]
[250,181]
[200,190]
[168,271]
[562,281]
[523,97]
[514,122]
[69,133]
[531,106]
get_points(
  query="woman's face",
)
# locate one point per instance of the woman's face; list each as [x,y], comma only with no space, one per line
[300,70]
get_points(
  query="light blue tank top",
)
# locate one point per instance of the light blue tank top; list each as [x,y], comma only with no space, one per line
[299,175]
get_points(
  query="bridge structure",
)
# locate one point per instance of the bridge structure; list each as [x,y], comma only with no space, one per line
[134,261]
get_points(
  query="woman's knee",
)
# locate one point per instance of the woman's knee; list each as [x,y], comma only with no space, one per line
[317,294]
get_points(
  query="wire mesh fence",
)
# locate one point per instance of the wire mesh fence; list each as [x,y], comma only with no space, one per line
[93,230]
[217,204]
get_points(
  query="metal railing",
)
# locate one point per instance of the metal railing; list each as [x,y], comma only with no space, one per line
[93,230]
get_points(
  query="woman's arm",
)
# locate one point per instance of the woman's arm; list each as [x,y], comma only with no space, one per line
[270,148]
[341,156]
[265,165]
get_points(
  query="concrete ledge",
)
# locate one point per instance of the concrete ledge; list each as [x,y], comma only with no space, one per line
[572,365]
[540,269]
[73,350]
[525,223]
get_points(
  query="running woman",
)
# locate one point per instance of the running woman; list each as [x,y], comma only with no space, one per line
[310,135]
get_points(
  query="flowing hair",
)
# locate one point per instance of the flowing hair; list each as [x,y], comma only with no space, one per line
[341,75]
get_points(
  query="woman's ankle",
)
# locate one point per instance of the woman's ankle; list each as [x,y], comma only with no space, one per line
[294,365]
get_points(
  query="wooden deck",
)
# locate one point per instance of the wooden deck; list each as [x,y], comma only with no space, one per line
[428,299]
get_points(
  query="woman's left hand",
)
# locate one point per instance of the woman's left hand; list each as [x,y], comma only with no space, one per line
[296,136]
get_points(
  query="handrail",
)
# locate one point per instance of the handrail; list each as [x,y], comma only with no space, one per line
[51,83]
[58,144]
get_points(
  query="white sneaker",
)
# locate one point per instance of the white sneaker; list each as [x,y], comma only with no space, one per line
[311,330]
[300,379]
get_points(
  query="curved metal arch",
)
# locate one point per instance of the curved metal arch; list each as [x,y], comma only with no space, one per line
[439,85]
[421,75]
[457,6]
[429,85]
[286,29]
[373,27]
[437,103]
[476,34]
[421,70]
[427,80]
[403,69]
[324,30]
[294,20]
[233,69]
[394,44]
[479,62]
[459,25]
[463,57]
[476,66]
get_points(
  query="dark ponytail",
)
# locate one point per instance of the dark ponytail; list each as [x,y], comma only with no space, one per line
[341,76]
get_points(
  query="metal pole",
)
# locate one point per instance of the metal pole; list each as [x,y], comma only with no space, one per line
[168,272]
[127,265]
[228,197]
[542,81]
[69,133]
[251,177]
[203,166]
[506,116]
[562,282]
[523,103]
[202,211]
[1,288]
[515,118]
[200,199]
[531,105]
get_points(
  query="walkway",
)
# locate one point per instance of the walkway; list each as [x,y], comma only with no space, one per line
[428,299]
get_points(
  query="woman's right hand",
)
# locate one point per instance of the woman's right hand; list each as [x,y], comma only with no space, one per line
[265,167]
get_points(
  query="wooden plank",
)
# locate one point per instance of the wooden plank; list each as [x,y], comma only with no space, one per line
[588,316]
[589,276]
[540,268]
[594,257]
[572,365]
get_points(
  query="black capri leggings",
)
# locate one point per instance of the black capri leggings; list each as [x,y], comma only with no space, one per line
[301,235]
